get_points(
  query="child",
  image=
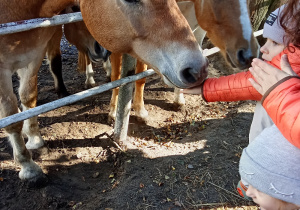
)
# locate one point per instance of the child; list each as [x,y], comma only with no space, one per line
[270,165]
[237,87]
[279,86]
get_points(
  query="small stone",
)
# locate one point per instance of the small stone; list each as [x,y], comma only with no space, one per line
[190,166]
[95,175]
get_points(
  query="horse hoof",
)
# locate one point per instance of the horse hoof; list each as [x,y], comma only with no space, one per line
[107,79]
[142,120]
[111,120]
[62,94]
[90,85]
[39,181]
[34,142]
[179,103]
[112,116]
[142,114]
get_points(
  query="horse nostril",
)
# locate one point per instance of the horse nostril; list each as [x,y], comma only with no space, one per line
[190,75]
[97,48]
[101,51]
[241,56]
[245,58]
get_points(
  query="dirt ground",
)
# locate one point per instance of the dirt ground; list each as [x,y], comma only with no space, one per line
[181,158]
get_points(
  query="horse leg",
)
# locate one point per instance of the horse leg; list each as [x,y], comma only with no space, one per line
[107,68]
[116,66]
[8,106]
[85,65]
[138,102]
[54,57]
[89,72]
[178,97]
[28,97]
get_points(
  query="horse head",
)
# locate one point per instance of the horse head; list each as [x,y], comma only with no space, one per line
[228,26]
[154,31]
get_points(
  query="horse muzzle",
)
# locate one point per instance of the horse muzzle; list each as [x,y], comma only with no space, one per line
[241,59]
[98,53]
[189,76]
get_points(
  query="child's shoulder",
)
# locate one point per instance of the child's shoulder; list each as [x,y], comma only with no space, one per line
[293,56]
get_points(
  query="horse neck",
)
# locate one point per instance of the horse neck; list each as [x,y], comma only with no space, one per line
[54,7]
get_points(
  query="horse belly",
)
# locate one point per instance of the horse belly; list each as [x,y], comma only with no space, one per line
[13,62]
[18,50]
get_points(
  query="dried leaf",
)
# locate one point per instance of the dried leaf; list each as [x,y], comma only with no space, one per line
[142,185]
[77,205]
[177,203]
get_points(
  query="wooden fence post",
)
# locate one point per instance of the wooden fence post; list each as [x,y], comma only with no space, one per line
[124,100]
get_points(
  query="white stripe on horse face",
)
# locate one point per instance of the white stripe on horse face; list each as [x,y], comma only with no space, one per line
[245,20]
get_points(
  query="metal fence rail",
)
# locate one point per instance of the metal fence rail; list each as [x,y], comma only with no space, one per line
[25,25]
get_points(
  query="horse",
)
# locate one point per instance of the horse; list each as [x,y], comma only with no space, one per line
[89,50]
[226,24]
[152,31]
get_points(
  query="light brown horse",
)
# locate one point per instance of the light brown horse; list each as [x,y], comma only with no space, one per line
[153,31]
[225,22]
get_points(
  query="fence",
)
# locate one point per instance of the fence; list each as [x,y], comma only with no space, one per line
[125,92]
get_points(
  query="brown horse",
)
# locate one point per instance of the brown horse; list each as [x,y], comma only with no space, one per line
[228,26]
[89,50]
[153,31]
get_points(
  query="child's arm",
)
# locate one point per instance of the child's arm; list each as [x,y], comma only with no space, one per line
[234,87]
[237,87]
[283,106]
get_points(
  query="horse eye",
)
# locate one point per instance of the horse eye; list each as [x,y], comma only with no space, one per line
[133,1]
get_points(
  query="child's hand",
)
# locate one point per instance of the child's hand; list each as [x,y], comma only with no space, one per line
[194,90]
[266,75]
